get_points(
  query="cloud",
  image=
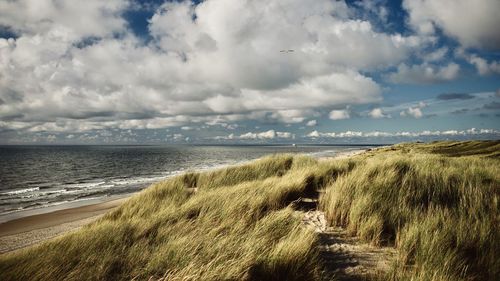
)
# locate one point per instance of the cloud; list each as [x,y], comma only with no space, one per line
[423,73]
[378,113]
[271,134]
[415,112]
[217,63]
[476,27]
[454,96]
[217,58]
[460,111]
[291,116]
[57,18]
[313,134]
[284,135]
[311,123]
[340,114]
[436,55]
[426,133]
[484,67]
[492,105]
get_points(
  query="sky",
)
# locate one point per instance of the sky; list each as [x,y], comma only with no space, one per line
[248,71]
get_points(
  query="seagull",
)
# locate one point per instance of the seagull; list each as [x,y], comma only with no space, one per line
[287,51]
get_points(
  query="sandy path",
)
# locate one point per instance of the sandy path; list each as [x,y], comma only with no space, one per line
[345,257]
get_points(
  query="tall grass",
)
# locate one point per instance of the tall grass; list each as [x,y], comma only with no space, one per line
[239,229]
[441,213]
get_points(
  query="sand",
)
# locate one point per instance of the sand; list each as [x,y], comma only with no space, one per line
[346,257]
[26,231]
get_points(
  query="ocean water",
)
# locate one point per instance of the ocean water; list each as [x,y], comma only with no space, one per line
[34,177]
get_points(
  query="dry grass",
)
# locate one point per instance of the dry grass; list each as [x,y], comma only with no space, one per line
[441,212]
[236,227]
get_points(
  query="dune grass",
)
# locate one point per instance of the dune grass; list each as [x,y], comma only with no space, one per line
[441,212]
[237,226]
[437,203]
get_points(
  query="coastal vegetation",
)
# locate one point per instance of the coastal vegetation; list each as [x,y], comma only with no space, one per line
[437,204]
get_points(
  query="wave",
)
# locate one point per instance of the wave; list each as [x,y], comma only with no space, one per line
[84,185]
[20,191]
[137,180]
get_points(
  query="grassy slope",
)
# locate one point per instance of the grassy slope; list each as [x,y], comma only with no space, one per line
[440,211]
[236,227]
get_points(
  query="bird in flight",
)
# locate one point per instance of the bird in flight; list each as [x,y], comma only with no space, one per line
[287,51]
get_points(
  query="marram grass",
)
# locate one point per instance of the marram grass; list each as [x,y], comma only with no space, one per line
[437,203]
[241,229]
[441,212]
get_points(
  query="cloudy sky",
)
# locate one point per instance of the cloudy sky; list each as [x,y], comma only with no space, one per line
[248,71]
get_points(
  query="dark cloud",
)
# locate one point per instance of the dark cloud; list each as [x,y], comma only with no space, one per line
[7,32]
[484,115]
[455,96]
[12,117]
[1,101]
[87,41]
[90,114]
[460,111]
[494,105]
[11,96]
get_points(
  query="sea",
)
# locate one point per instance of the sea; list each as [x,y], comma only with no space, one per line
[38,178]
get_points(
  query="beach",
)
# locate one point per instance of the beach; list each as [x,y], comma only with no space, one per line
[26,231]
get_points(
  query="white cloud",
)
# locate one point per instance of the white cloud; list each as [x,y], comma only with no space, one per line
[178,136]
[472,23]
[313,134]
[271,134]
[424,73]
[66,74]
[425,133]
[284,135]
[436,55]
[415,112]
[376,8]
[291,116]
[311,123]
[340,114]
[483,66]
[346,134]
[378,113]
[64,19]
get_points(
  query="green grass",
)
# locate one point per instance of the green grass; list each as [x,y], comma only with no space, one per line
[437,203]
